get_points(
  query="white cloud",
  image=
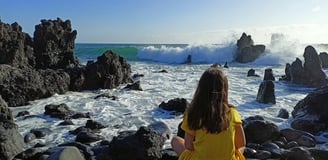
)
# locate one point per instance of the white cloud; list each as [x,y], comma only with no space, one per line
[316,9]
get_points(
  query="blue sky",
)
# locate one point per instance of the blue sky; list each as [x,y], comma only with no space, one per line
[176,21]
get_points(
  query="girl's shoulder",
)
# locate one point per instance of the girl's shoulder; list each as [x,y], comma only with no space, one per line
[235,116]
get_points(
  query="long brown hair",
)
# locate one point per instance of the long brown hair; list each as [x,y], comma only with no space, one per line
[209,107]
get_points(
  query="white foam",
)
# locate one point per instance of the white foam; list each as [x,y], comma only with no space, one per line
[138,108]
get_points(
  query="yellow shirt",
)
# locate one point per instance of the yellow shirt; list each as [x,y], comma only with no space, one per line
[212,146]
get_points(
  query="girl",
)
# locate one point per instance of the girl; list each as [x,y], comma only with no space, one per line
[212,126]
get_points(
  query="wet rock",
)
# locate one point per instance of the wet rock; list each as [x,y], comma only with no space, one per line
[109,71]
[29,137]
[319,154]
[30,154]
[262,154]
[60,111]
[299,153]
[11,141]
[134,86]
[66,122]
[251,73]
[143,144]
[301,137]
[259,131]
[283,113]
[177,104]
[291,144]
[266,93]
[94,125]
[246,50]
[22,113]
[88,137]
[268,75]
[106,95]
[40,132]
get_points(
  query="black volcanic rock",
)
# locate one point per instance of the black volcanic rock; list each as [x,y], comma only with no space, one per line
[16,47]
[18,86]
[246,50]
[311,113]
[37,68]
[310,74]
[11,142]
[54,44]
[109,71]
[266,93]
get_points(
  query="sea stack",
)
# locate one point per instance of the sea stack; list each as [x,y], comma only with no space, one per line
[246,50]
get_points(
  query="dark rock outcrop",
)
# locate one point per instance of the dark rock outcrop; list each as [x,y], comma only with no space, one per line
[54,44]
[16,47]
[310,74]
[142,144]
[108,72]
[11,142]
[283,113]
[268,75]
[311,113]
[251,73]
[266,93]
[177,104]
[18,86]
[324,59]
[247,51]
[37,68]
[259,131]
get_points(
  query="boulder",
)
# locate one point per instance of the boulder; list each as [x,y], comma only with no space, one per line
[260,131]
[108,72]
[143,144]
[311,113]
[177,104]
[11,142]
[65,153]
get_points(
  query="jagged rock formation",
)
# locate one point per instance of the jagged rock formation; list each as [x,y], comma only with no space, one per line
[246,50]
[266,93]
[311,113]
[11,142]
[54,44]
[109,71]
[16,47]
[37,68]
[310,74]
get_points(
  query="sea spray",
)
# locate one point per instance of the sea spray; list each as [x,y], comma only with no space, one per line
[200,53]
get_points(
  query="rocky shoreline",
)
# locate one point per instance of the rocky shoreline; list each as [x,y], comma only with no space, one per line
[39,67]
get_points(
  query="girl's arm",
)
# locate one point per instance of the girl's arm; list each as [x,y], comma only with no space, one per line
[240,140]
[189,139]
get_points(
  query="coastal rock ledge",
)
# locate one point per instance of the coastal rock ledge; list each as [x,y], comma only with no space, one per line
[39,67]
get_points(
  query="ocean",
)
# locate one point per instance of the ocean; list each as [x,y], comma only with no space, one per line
[140,108]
